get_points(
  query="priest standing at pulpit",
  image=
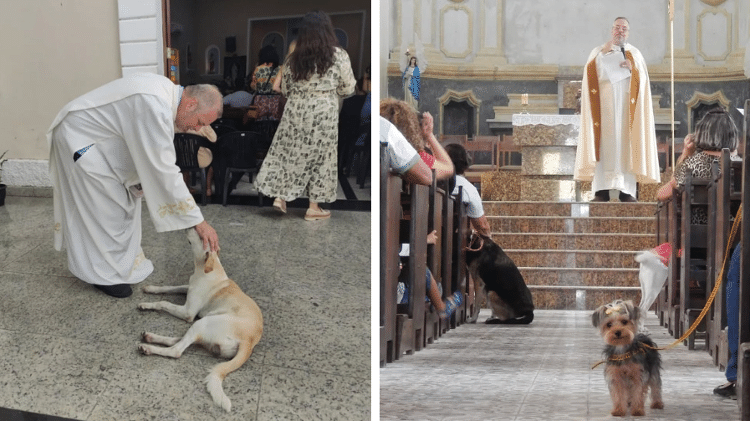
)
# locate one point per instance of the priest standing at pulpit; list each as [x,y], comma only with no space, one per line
[617,141]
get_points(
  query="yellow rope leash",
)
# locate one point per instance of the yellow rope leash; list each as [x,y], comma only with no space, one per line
[735,228]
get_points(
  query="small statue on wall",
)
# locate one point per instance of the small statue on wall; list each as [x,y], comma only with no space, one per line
[410,79]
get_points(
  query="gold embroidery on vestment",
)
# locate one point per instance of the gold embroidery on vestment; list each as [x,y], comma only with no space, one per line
[179,208]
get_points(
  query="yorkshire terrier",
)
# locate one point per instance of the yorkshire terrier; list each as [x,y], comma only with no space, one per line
[632,362]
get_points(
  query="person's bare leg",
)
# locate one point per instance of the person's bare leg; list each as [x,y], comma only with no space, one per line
[434,294]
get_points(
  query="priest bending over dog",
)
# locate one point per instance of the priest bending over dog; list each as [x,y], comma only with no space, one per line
[109,149]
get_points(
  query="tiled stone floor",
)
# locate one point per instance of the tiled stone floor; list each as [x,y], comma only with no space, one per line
[68,350]
[538,372]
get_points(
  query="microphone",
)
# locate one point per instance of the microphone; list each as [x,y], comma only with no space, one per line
[622,49]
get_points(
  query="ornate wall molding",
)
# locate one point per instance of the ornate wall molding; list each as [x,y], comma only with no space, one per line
[728,37]
[456,9]
[463,96]
[704,98]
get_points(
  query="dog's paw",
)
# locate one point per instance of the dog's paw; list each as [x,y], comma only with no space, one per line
[619,412]
[637,412]
[143,306]
[149,289]
[144,349]
[657,405]
[146,337]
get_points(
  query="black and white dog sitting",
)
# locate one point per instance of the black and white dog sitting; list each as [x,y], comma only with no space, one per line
[507,293]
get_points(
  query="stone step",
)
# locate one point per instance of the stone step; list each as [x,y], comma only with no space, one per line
[580,277]
[568,224]
[573,258]
[578,209]
[565,241]
[579,299]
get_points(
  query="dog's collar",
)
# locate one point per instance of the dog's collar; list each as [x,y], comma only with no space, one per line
[481,244]
[616,358]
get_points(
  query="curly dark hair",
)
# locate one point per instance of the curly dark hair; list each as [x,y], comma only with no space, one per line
[459,157]
[316,45]
[404,117]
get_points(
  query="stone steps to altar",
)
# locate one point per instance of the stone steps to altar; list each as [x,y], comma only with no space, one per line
[575,255]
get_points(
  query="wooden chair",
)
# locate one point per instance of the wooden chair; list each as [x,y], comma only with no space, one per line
[447,139]
[509,154]
[483,154]
[390,216]
[410,317]
[693,269]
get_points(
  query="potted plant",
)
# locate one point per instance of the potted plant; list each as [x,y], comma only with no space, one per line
[2,186]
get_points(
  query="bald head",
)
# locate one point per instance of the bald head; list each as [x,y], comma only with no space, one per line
[208,96]
[200,106]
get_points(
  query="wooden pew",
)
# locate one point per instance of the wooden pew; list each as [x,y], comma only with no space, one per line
[662,236]
[743,365]
[460,276]
[672,285]
[390,216]
[434,254]
[447,236]
[725,195]
[693,268]
[410,317]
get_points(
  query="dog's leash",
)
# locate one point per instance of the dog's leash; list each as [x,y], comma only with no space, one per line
[727,255]
[732,235]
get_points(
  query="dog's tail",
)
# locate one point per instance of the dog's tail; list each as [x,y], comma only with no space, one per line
[220,371]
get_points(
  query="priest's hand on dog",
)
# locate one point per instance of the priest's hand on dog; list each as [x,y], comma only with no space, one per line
[208,236]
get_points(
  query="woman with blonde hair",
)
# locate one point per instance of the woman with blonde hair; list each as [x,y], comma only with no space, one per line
[302,159]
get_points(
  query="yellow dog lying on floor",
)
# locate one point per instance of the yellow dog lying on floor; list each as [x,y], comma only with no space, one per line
[230,323]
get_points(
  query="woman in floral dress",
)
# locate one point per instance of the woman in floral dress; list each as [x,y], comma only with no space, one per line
[262,83]
[302,160]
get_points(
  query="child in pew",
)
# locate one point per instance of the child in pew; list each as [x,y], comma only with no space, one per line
[729,389]
[434,289]
[471,196]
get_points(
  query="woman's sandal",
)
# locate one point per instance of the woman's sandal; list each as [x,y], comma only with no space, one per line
[314,215]
[280,205]
[451,304]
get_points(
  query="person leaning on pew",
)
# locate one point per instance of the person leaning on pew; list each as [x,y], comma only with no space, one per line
[402,157]
[714,132]
[419,134]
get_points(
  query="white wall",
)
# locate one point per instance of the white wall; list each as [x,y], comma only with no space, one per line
[52,52]
[61,50]
[544,32]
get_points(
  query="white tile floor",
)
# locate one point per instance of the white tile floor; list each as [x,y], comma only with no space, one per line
[538,372]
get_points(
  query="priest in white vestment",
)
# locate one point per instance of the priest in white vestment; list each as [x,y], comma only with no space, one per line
[617,141]
[111,148]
